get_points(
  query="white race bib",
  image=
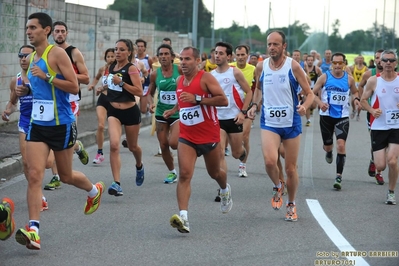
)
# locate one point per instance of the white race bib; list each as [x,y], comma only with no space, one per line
[190,116]
[280,114]
[339,98]
[111,85]
[43,110]
[392,117]
[168,97]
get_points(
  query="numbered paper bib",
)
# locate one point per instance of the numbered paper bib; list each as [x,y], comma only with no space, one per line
[111,85]
[190,116]
[43,110]
[168,97]
[279,114]
[392,117]
[338,98]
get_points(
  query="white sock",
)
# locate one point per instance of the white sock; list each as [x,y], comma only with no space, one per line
[174,171]
[184,213]
[278,186]
[44,198]
[57,176]
[93,192]
[225,190]
[243,164]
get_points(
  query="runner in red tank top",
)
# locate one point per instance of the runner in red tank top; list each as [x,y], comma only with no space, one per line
[198,93]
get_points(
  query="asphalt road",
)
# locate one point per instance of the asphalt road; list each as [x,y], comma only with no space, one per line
[134,229]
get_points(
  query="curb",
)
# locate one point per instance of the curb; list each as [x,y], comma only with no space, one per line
[13,166]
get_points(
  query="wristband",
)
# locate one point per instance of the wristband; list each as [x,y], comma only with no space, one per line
[51,80]
[29,91]
[357,98]
[253,105]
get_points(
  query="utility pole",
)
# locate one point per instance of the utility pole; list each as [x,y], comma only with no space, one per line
[213,24]
[394,23]
[195,22]
[139,19]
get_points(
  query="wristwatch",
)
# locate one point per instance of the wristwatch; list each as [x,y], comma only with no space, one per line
[244,112]
[48,77]
[198,98]
[121,83]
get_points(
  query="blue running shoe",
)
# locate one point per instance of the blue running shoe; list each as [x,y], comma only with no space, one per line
[140,175]
[115,190]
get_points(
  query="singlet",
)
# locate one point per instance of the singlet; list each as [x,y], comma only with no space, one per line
[336,93]
[51,105]
[209,66]
[358,73]
[324,66]
[233,92]
[313,76]
[73,97]
[248,71]
[25,103]
[115,92]
[147,66]
[279,94]
[166,92]
[385,97]
[198,123]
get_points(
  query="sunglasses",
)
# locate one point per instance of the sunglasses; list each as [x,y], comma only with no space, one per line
[338,62]
[391,60]
[22,55]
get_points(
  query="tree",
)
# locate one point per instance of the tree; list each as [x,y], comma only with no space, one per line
[335,42]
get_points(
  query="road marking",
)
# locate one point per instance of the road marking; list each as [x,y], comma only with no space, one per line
[332,232]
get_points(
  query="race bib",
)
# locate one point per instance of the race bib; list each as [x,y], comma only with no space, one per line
[191,116]
[43,110]
[392,117]
[338,98]
[280,114]
[111,85]
[168,97]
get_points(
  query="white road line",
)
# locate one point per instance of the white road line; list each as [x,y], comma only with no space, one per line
[332,232]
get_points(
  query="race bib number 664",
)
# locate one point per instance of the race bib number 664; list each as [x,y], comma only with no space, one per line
[190,116]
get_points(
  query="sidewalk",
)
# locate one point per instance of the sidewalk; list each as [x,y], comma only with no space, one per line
[10,158]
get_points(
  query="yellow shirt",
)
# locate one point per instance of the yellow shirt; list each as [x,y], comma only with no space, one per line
[358,73]
[209,66]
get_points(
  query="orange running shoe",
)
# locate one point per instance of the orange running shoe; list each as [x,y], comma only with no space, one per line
[28,237]
[8,225]
[277,199]
[92,204]
[44,205]
[291,215]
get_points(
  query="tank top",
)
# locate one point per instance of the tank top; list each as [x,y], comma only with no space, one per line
[198,123]
[313,76]
[248,71]
[25,103]
[324,66]
[51,106]
[73,97]
[209,66]
[336,93]
[115,92]
[279,94]
[233,92]
[358,73]
[385,97]
[147,66]
[166,92]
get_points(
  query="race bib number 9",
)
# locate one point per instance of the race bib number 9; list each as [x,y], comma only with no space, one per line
[392,117]
[43,110]
[338,98]
[191,116]
[168,97]
[278,114]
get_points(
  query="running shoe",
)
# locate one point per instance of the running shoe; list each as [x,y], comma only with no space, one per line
[217,199]
[371,168]
[353,114]
[358,118]
[291,215]
[277,199]
[54,184]
[242,171]
[180,223]
[140,175]
[226,152]
[115,190]
[82,153]
[99,158]
[92,204]
[308,123]
[170,178]
[44,205]
[329,157]
[391,199]
[7,226]
[226,202]
[28,237]
[124,143]
[337,184]
[379,180]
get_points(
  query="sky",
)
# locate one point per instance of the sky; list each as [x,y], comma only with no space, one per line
[318,14]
